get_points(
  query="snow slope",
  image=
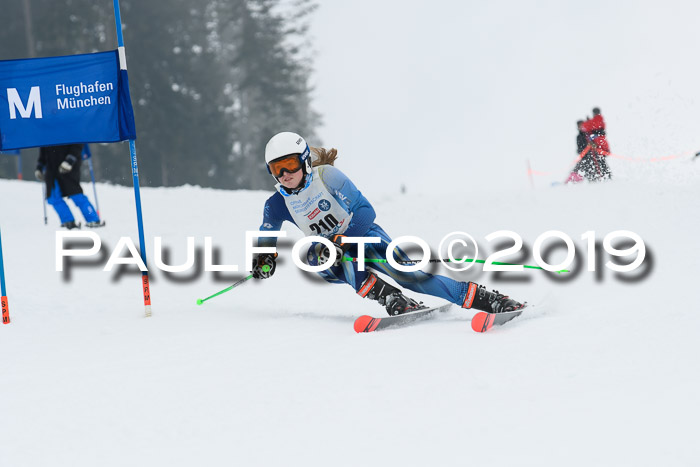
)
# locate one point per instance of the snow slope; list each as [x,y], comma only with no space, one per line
[598,372]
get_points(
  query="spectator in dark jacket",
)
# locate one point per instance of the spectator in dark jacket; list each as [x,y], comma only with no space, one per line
[59,167]
[585,167]
[581,138]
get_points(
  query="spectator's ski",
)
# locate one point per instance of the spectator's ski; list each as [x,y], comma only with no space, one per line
[367,323]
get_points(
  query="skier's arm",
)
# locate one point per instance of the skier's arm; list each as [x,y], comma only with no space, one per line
[347,194]
[586,126]
[594,124]
[69,160]
[273,217]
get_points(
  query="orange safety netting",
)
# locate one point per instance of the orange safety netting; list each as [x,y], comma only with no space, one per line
[615,156]
[651,159]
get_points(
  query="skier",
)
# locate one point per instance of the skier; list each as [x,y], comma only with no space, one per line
[321,200]
[588,164]
[582,144]
[59,167]
[594,129]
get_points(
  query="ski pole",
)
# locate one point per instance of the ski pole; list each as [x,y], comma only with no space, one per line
[447,260]
[43,197]
[265,268]
[94,190]
[87,155]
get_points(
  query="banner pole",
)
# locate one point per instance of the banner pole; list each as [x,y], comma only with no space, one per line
[88,154]
[134,172]
[94,189]
[3,299]
[19,166]
[43,200]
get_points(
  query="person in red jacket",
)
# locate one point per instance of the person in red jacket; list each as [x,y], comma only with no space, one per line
[594,129]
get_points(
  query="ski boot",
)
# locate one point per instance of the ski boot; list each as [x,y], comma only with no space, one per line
[71,225]
[395,302]
[492,302]
[95,224]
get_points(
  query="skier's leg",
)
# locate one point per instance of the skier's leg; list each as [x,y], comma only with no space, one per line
[392,298]
[349,271]
[589,167]
[345,273]
[575,175]
[55,199]
[607,175]
[464,294]
[419,281]
[366,283]
[85,207]
[598,170]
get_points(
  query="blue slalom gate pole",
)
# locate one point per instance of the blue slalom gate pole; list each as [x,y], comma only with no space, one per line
[3,299]
[134,171]
[94,189]
[86,151]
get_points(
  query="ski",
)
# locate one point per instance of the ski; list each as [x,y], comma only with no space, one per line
[483,321]
[368,323]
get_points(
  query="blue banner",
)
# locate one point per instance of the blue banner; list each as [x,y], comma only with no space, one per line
[64,100]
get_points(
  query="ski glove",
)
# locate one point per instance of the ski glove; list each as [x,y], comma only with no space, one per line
[39,174]
[340,249]
[264,259]
[67,165]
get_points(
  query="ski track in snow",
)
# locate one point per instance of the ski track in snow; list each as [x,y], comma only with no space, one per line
[594,373]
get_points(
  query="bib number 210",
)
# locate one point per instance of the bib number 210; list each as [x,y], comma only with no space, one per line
[327,224]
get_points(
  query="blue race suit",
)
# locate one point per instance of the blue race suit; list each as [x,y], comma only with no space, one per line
[326,182]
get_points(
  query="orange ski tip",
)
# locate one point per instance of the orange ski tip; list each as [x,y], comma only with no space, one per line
[366,323]
[362,322]
[482,322]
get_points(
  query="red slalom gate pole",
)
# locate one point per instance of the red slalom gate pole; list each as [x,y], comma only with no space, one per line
[3,299]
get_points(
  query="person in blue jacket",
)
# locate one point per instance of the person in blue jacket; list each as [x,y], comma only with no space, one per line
[319,199]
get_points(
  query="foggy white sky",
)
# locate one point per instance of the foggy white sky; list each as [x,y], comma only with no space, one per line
[456,96]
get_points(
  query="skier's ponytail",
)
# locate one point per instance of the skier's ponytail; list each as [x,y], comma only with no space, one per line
[322,156]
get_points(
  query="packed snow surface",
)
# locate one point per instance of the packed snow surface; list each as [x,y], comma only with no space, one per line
[602,369]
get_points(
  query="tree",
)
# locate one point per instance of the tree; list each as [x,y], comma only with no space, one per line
[270,91]
[211,80]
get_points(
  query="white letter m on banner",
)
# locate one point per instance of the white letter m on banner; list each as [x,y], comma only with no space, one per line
[34,103]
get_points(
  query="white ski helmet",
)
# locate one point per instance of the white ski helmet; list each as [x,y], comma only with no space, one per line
[287,144]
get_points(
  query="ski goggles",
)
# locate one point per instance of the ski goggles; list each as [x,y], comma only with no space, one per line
[290,164]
